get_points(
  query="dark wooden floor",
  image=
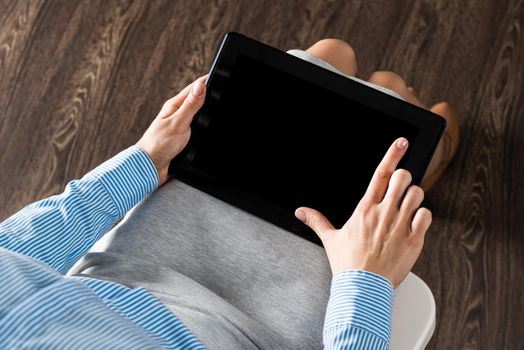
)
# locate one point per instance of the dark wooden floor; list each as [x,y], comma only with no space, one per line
[81,80]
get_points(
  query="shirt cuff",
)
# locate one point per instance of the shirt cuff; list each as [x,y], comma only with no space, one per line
[360,299]
[128,177]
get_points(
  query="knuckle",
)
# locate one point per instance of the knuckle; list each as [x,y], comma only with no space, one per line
[399,226]
[417,191]
[415,241]
[168,103]
[364,206]
[427,213]
[403,175]
[175,125]
[190,102]
[383,174]
[310,219]
[313,220]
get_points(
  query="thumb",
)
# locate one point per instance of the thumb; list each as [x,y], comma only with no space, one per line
[192,103]
[315,220]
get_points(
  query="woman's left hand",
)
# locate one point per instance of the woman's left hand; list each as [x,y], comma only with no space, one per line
[169,132]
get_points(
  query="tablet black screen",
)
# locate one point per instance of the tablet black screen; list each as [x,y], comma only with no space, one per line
[293,143]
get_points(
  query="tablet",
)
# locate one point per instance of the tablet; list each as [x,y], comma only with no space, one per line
[277,132]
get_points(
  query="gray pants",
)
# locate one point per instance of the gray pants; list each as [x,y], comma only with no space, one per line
[236,281]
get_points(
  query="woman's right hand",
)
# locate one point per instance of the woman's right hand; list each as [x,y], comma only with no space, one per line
[386,232]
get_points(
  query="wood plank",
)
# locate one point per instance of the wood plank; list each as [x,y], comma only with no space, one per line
[81,80]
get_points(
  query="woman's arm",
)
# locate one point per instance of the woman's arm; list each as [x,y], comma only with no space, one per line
[371,254]
[60,229]
[358,314]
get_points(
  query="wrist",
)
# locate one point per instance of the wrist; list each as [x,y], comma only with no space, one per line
[360,298]
[162,175]
[150,155]
[346,272]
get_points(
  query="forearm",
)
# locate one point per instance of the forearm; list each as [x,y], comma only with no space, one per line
[60,229]
[358,315]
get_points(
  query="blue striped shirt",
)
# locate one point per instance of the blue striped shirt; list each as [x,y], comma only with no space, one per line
[40,307]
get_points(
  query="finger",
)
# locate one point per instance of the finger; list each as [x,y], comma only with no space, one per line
[400,181]
[380,180]
[411,203]
[174,103]
[315,220]
[421,221]
[194,100]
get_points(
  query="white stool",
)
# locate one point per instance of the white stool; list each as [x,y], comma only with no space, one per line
[413,319]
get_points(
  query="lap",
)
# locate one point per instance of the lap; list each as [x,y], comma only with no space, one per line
[191,249]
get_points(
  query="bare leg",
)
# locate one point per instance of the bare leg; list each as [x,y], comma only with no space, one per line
[338,53]
[395,82]
[447,146]
[341,55]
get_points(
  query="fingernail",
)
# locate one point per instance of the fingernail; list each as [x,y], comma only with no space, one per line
[402,143]
[198,88]
[301,215]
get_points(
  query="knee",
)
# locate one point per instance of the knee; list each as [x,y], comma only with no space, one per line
[336,52]
[336,47]
[387,79]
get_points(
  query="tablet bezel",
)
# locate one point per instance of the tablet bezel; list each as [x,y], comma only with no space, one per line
[431,126]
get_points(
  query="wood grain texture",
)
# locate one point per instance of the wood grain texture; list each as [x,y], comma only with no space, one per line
[81,80]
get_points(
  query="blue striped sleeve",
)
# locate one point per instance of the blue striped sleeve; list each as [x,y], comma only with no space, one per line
[60,229]
[358,314]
